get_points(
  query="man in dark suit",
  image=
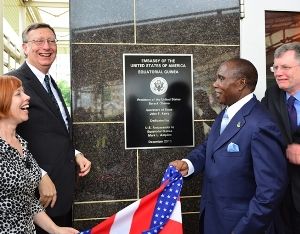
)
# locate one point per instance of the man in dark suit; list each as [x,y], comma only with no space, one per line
[244,168]
[49,128]
[286,70]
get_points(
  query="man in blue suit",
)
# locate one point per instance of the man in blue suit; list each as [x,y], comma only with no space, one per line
[244,168]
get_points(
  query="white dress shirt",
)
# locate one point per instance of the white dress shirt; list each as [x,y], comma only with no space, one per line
[231,111]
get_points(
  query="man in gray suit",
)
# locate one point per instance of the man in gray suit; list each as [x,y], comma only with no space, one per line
[49,128]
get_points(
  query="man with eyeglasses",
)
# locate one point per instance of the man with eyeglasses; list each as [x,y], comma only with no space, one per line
[283,101]
[49,128]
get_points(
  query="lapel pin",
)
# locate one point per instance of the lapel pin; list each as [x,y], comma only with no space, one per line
[238,124]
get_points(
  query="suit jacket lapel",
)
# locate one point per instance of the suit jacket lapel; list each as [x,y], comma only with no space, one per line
[235,124]
[41,92]
[282,109]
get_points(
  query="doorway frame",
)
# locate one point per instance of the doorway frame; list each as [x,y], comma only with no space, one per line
[252,33]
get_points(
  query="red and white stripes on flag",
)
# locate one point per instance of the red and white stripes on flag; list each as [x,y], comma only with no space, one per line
[158,212]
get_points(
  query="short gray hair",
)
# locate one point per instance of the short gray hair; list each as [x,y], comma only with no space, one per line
[35,26]
[294,46]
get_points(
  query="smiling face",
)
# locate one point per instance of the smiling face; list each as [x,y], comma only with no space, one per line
[227,86]
[19,106]
[40,56]
[287,72]
[14,103]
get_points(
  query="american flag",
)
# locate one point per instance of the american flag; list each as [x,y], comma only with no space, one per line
[158,212]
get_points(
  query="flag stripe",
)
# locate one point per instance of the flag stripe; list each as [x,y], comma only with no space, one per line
[123,220]
[143,215]
[172,227]
[176,215]
[104,227]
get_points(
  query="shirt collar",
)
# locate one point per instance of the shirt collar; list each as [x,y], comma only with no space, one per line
[297,96]
[40,75]
[234,108]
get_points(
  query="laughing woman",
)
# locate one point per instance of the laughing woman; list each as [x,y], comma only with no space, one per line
[19,172]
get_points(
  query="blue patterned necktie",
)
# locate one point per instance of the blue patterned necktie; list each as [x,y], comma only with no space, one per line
[292,112]
[225,121]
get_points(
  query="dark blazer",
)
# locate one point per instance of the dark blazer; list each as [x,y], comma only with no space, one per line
[243,185]
[275,101]
[48,139]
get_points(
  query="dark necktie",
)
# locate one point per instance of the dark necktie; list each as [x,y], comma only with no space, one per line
[292,112]
[47,82]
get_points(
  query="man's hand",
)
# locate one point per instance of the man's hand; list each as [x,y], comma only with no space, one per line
[293,153]
[83,163]
[181,166]
[47,192]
